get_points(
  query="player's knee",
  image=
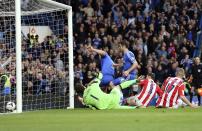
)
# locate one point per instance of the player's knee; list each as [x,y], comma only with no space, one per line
[111,84]
[118,81]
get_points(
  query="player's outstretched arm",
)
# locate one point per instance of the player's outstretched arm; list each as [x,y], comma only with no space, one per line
[100,52]
[184,99]
[117,65]
[129,83]
[81,100]
[134,66]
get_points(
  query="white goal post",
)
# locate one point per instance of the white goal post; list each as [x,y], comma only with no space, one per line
[19,56]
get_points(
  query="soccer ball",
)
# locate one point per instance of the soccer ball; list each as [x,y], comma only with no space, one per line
[10,106]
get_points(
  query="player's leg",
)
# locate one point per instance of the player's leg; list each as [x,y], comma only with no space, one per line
[116,91]
[118,99]
[131,77]
[125,84]
[122,79]
[197,91]
[133,101]
[106,80]
[180,103]
[117,94]
[117,81]
[199,97]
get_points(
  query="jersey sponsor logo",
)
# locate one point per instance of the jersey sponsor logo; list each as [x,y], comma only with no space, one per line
[170,85]
[169,88]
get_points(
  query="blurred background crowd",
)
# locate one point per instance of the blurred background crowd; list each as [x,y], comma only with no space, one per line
[163,34]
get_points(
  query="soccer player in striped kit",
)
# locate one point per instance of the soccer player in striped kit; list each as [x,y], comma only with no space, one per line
[173,90]
[148,92]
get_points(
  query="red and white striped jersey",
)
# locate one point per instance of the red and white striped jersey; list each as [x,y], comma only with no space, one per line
[149,90]
[172,88]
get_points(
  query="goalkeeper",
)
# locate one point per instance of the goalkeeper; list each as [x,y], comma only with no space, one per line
[95,98]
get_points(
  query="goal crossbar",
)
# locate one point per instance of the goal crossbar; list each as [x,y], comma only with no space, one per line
[53,6]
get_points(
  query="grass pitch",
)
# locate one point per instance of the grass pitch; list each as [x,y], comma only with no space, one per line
[151,119]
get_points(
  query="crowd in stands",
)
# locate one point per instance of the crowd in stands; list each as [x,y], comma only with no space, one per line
[44,65]
[162,34]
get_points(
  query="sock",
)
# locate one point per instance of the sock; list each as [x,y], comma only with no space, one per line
[191,97]
[127,83]
[199,100]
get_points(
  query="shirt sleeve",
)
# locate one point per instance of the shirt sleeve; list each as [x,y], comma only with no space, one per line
[131,57]
[104,56]
[142,82]
[181,90]
[159,91]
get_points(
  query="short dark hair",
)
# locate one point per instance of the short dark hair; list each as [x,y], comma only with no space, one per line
[125,44]
[152,75]
[79,88]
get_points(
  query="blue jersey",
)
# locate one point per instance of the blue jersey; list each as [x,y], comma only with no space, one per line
[107,67]
[128,60]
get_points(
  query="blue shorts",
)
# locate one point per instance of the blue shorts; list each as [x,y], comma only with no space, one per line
[106,79]
[119,80]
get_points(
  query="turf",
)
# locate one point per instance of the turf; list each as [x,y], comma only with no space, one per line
[151,119]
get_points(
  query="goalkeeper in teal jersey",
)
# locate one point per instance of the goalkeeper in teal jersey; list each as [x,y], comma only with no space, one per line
[95,98]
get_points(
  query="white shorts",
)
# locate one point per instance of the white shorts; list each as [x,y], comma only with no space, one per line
[136,100]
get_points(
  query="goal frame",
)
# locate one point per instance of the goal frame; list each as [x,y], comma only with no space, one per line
[19,52]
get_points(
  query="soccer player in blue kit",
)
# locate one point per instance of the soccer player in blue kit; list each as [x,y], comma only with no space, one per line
[107,66]
[130,65]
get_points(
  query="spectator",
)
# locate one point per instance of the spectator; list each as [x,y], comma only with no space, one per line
[96,41]
[42,88]
[160,74]
[186,63]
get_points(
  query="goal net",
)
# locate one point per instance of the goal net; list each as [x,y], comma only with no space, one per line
[36,55]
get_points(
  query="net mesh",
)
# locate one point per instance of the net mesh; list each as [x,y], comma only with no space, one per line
[44,55]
